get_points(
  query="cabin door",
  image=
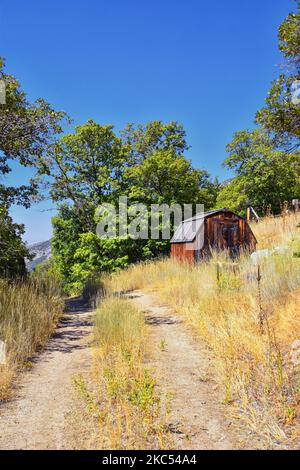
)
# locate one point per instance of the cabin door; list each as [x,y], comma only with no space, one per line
[226,236]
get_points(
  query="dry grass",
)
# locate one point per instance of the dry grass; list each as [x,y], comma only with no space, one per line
[225,303]
[29,311]
[276,231]
[124,397]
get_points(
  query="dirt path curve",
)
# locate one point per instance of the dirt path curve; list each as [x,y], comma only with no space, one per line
[36,418]
[182,364]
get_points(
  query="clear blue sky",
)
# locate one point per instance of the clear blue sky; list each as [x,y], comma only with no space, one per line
[207,64]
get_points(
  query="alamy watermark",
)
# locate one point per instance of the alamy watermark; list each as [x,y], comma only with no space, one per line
[159,221]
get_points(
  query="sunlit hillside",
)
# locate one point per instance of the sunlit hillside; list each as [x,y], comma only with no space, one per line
[249,316]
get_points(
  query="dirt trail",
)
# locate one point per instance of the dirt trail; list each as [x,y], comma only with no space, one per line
[182,364]
[37,417]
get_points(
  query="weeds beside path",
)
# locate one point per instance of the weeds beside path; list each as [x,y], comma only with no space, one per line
[37,417]
[248,317]
[183,371]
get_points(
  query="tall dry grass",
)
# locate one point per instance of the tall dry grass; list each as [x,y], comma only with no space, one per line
[248,322]
[124,397]
[29,311]
[277,231]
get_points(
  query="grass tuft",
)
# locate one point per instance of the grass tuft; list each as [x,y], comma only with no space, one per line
[124,393]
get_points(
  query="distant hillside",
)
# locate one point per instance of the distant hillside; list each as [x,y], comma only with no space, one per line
[41,252]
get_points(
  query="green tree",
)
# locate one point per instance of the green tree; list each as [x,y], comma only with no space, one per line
[289,37]
[233,196]
[67,228]
[165,177]
[85,169]
[12,249]
[266,160]
[280,116]
[27,136]
[143,140]
[266,177]
[87,164]
[79,253]
[92,166]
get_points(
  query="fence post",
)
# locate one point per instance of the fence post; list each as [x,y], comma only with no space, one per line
[248,214]
[261,313]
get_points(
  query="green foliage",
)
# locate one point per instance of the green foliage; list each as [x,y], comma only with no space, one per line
[232,196]
[47,274]
[80,256]
[95,255]
[27,135]
[267,160]
[86,165]
[280,117]
[164,177]
[93,166]
[66,231]
[12,248]
[143,140]
[289,36]
[266,177]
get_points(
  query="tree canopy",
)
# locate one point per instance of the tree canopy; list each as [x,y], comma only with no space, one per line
[92,166]
[266,177]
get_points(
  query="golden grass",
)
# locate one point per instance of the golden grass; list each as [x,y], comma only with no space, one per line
[276,231]
[29,311]
[224,302]
[124,398]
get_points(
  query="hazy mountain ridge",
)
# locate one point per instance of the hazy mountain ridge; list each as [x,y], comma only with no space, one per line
[41,252]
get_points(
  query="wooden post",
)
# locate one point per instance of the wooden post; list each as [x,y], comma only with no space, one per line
[261,313]
[284,213]
[248,214]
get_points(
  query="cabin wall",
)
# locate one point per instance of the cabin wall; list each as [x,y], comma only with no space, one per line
[212,236]
[244,236]
[181,252]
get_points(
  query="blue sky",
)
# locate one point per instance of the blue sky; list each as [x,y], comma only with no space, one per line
[207,64]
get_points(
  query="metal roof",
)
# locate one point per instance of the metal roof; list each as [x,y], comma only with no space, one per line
[202,215]
[188,229]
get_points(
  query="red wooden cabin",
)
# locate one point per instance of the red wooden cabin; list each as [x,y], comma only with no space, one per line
[219,229]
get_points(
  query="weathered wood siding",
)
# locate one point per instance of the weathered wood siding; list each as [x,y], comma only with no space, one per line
[181,252]
[240,232]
